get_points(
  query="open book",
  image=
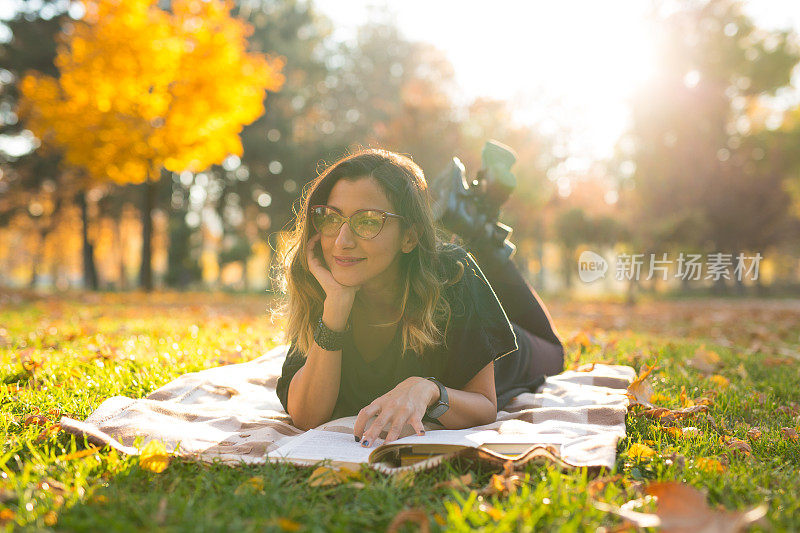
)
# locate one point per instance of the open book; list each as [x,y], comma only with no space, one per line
[340,447]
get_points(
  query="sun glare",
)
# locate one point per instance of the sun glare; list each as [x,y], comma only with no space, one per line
[563,65]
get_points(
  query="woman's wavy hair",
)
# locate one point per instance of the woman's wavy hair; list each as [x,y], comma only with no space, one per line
[425,271]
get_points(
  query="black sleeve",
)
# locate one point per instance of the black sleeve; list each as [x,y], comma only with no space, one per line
[479,331]
[294,361]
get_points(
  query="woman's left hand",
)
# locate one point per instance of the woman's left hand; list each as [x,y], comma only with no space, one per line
[406,403]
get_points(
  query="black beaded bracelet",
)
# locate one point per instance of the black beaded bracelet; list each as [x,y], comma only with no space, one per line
[327,339]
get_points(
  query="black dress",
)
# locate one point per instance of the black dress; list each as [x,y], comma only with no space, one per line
[479,332]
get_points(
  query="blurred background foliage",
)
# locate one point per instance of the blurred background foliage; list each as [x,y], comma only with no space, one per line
[118,146]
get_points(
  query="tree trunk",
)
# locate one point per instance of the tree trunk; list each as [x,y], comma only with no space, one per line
[89,270]
[540,253]
[566,264]
[148,203]
[122,285]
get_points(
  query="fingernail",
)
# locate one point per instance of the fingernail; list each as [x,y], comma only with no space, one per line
[357,438]
[365,443]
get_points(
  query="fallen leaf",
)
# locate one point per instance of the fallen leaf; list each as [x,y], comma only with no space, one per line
[640,451]
[154,457]
[501,484]
[789,434]
[494,512]
[597,486]
[288,525]
[671,415]
[6,515]
[709,465]
[681,508]
[684,399]
[720,381]
[77,455]
[324,476]
[776,361]
[658,397]
[675,459]
[740,446]
[38,420]
[683,432]
[415,516]
[640,391]
[754,433]
[253,484]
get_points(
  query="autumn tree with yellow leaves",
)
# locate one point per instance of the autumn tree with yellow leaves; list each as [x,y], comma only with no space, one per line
[141,89]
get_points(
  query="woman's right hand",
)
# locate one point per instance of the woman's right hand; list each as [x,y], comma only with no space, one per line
[335,292]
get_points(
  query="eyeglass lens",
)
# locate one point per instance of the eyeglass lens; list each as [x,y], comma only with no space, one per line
[365,224]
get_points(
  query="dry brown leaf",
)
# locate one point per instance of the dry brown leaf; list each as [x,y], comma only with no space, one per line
[684,398]
[6,515]
[677,432]
[640,391]
[254,484]
[789,434]
[415,516]
[39,420]
[48,432]
[671,415]
[324,476]
[739,446]
[754,433]
[494,512]
[597,486]
[777,361]
[709,465]
[501,484]
[681,508]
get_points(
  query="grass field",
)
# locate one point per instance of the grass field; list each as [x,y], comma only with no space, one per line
[65,355]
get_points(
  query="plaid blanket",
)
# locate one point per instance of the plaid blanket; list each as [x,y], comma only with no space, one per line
[232,414]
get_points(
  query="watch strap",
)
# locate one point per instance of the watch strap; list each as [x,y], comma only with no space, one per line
[442,405]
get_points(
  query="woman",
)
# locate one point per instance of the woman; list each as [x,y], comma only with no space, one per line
[387,322]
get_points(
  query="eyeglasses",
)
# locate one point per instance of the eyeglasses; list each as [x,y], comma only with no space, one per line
[365,223]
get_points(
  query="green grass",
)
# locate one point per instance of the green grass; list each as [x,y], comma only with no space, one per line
[86,348]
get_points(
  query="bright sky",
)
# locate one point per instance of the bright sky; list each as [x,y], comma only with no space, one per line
[568,59]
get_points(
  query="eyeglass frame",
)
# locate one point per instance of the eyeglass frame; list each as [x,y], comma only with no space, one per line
[346,219]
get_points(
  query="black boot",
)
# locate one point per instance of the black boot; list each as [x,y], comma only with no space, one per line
[463,211]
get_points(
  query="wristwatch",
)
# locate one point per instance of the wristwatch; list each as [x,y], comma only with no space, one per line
[327,339]
[440,407]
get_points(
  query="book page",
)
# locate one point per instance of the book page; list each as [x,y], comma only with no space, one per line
[317,445]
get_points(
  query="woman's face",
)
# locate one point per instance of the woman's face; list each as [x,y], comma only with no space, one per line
[379,256]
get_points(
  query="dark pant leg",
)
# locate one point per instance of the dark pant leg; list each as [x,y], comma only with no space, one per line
[544,358]
[520,301]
